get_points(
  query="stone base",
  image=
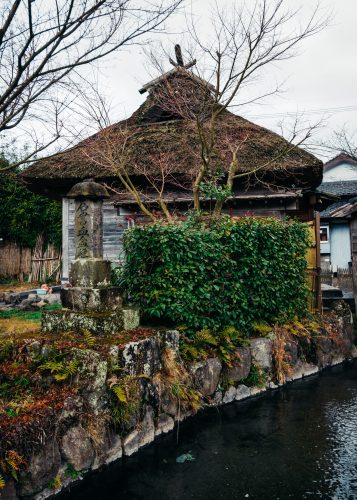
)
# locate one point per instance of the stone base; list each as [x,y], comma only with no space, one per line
[91,299]
[90,273]
[98,323]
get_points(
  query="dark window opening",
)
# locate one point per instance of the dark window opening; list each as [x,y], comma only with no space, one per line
[323,234]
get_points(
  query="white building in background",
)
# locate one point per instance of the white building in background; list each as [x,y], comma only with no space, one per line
[340,180]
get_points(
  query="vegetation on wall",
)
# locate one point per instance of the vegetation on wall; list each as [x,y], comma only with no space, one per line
[24,215]
[218,273]
[48,384]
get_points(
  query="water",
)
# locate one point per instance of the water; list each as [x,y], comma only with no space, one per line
[297,442]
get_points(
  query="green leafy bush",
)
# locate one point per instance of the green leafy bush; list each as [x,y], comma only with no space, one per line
[218,274]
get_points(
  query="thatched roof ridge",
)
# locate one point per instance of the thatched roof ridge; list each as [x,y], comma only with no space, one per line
[173,73]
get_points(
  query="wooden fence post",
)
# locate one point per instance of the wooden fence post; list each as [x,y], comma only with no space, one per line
[353,227]
[318,263]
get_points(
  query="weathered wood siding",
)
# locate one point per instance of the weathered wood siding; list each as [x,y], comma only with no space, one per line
[114,226]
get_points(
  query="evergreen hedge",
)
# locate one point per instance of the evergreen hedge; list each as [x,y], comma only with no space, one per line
[225,273]
[25,215]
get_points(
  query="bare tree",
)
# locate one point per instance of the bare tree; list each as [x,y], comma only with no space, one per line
[344,142]
[45,43]
[246,41]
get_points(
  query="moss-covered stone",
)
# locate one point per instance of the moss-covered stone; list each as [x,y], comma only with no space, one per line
[90,273]
[88,189]
[91,299]
[101,323]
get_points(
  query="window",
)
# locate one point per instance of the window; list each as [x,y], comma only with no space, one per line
[324,234]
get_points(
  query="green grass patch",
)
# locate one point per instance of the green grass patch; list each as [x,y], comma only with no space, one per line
[27,315]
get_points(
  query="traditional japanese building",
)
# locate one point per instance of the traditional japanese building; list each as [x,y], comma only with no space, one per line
[159,143]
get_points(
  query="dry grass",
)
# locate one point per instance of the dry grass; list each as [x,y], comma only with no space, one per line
[175,379]
[282,359]
[16,326]
[96,427]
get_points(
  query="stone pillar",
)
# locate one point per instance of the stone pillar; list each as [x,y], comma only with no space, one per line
[89,269]
[88,228]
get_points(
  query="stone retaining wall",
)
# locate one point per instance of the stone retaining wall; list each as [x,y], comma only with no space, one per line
[86,439]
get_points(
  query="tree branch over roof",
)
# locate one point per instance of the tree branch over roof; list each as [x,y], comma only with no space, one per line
[245,39]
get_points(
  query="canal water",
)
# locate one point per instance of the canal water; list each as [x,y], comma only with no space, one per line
[296,442]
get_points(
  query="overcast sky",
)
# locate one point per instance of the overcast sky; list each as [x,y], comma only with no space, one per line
[320,82]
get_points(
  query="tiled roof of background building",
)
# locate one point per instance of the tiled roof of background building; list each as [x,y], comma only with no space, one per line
[341,208]
[340,188]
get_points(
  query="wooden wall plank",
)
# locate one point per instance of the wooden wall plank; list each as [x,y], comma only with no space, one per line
[114,226]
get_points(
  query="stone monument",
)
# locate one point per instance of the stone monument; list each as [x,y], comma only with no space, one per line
[90,302]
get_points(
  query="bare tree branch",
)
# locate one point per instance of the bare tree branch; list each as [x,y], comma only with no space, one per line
[245,40]
[44,43]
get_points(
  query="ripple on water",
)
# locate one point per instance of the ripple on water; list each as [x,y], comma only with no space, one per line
[298,442]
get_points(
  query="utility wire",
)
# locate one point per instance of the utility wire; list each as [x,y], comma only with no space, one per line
[342,109]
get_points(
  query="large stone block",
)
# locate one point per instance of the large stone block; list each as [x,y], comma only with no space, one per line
[243,392]
[346,326]
[131,317]
[302,369]
[142,435]
[262,352]
[92,299]
[169,403]
[115,450]
[240,369]
[170,339]
[72,407]
[90,377]
[43,467]
[142,357]
[99,323]
[324,351]
[77,449]
[164,424]
[254,391]
[51,298]
[230,394]
[292,350]
[205,375]
[90,273]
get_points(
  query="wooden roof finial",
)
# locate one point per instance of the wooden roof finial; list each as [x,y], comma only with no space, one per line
[179,64]
[179,59]
[178,54]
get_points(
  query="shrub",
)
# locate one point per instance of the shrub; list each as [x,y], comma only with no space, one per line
[226,273]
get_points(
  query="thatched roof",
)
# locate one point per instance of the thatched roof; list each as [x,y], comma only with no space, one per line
[158,132]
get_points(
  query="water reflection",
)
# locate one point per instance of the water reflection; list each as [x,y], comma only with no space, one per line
[341,474]
[298,442]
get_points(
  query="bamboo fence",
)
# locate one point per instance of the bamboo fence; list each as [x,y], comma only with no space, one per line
[33,265]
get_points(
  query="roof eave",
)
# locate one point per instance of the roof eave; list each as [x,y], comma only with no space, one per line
[241,197]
